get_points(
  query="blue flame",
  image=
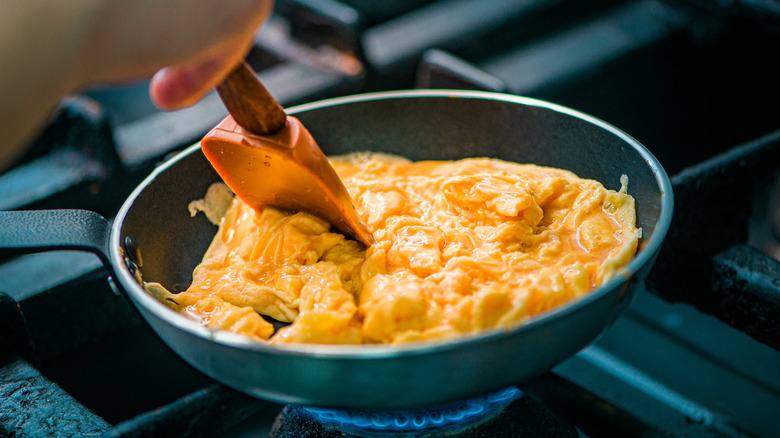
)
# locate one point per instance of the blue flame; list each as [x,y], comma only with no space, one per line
[453,415]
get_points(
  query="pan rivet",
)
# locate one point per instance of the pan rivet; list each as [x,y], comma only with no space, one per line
[114,287]
[132,251]
[134,271]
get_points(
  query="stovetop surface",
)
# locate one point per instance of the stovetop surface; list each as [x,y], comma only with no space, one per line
[697,353]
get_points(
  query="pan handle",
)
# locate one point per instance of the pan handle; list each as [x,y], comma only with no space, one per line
[32,231]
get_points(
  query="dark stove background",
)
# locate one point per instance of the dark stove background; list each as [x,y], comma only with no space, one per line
[696,81]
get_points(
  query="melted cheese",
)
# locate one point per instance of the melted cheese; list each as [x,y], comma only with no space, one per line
[461,247]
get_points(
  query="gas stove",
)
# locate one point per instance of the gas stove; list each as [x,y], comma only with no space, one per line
[697,353]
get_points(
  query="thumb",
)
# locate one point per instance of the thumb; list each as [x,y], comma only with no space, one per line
[183,85]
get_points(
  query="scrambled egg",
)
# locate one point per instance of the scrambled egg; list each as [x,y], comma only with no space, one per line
[461,246]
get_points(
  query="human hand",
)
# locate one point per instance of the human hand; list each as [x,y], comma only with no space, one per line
[57,48]
[191,45]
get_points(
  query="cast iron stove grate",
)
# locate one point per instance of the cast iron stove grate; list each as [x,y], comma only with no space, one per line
[689,79]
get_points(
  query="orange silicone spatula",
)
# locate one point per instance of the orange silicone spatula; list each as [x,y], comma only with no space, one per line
[270,158]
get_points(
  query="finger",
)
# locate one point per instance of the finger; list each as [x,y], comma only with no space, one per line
[183,85]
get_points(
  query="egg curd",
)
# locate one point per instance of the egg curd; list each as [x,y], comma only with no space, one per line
[461,246]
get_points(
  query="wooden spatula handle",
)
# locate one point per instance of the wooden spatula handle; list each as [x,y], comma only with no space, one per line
[250,104]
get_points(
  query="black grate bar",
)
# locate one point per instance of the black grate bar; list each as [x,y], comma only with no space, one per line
[205,412]
[31,405]
[746,285]
[713,205]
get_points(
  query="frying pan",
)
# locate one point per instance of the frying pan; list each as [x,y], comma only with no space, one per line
[154,237]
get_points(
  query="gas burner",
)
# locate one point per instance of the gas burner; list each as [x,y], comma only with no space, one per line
[507,412]
[687,78]
[451,417]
